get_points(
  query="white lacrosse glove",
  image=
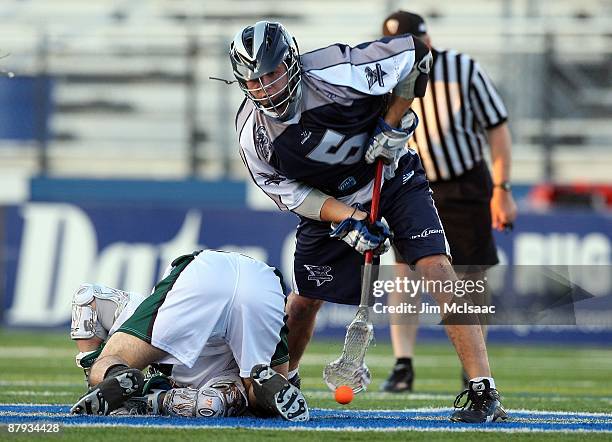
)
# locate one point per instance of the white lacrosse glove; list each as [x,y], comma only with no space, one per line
[363,235]
[388,142]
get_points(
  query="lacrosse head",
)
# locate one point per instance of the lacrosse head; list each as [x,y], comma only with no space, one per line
[349,369]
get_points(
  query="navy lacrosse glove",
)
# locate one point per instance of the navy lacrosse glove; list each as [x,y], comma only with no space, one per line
[363,235]
[388,142]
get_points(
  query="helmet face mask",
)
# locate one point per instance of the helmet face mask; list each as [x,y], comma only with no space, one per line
[266,63]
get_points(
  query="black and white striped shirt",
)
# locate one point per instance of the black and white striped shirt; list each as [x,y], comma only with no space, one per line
[460,104]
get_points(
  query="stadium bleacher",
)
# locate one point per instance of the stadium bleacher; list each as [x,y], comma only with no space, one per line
[123,91]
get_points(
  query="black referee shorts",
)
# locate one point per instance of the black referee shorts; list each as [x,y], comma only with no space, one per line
[464,208]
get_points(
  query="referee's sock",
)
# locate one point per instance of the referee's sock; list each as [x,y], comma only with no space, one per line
[407,362]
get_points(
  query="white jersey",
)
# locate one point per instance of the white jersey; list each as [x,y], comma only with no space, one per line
[222,316]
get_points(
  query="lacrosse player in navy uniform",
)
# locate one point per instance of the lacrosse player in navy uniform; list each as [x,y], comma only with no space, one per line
[310,130]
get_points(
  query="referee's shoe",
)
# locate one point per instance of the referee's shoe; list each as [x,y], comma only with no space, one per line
[482,404]
[401,378]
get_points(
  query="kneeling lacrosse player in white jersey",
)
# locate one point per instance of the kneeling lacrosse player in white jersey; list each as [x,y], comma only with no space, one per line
[215,323]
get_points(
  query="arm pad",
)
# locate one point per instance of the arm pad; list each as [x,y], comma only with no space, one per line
[312,204]
[415,84]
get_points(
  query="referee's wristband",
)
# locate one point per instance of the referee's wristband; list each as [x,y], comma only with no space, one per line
[505,185]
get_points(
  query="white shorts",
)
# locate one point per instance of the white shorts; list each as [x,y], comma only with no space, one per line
[214,309]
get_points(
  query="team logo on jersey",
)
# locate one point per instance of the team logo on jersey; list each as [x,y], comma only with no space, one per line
[319,274]
[375,75]
[271,178]
[263,146]
[425,233]
[347,184]
[305,134]
[407,176]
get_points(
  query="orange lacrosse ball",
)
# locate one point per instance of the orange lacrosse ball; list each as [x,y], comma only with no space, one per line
[344,394]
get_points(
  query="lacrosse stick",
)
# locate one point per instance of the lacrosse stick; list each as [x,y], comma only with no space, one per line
[349,368]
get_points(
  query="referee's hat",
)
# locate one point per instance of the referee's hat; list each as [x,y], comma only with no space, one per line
[403,22]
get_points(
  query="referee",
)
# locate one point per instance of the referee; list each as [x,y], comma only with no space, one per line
[460,113]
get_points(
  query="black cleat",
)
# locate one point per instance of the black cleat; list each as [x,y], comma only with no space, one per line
[482,404]
[400,379]
[111,393]
[274,393]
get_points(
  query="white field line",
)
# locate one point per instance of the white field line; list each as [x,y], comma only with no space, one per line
[36,352]
[379,395]
[21,383]
[595,362]
[449,428]
[381,410]
[38,393]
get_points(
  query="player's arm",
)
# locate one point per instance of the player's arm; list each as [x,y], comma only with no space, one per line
[349,223]
[399,122]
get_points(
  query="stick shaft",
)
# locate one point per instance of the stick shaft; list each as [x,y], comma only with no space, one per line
[366,281]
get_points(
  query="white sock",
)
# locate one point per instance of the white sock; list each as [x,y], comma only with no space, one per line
[293,373]
[491,381]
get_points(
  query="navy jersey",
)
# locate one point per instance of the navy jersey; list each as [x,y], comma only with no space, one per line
[344,91]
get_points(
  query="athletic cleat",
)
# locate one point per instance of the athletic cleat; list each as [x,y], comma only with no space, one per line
[134,406]
[482,404]
[276,394]
[400,379]
[296,381]
[111,393]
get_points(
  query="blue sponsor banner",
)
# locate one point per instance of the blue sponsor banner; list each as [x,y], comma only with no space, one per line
[49,249]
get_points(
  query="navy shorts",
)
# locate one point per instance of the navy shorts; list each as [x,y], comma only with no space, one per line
[330,270]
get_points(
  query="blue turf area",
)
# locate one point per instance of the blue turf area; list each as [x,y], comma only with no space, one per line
[322,419]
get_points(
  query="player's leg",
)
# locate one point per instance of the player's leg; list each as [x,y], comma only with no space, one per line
[466,335]
[482,299]
[419,237]
[127,350]
[403,330]
[302,314]
[464,208]
[116,375]
[483,403]
[257,336]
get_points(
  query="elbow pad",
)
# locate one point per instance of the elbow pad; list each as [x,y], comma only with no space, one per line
[312,204]
[415,84]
